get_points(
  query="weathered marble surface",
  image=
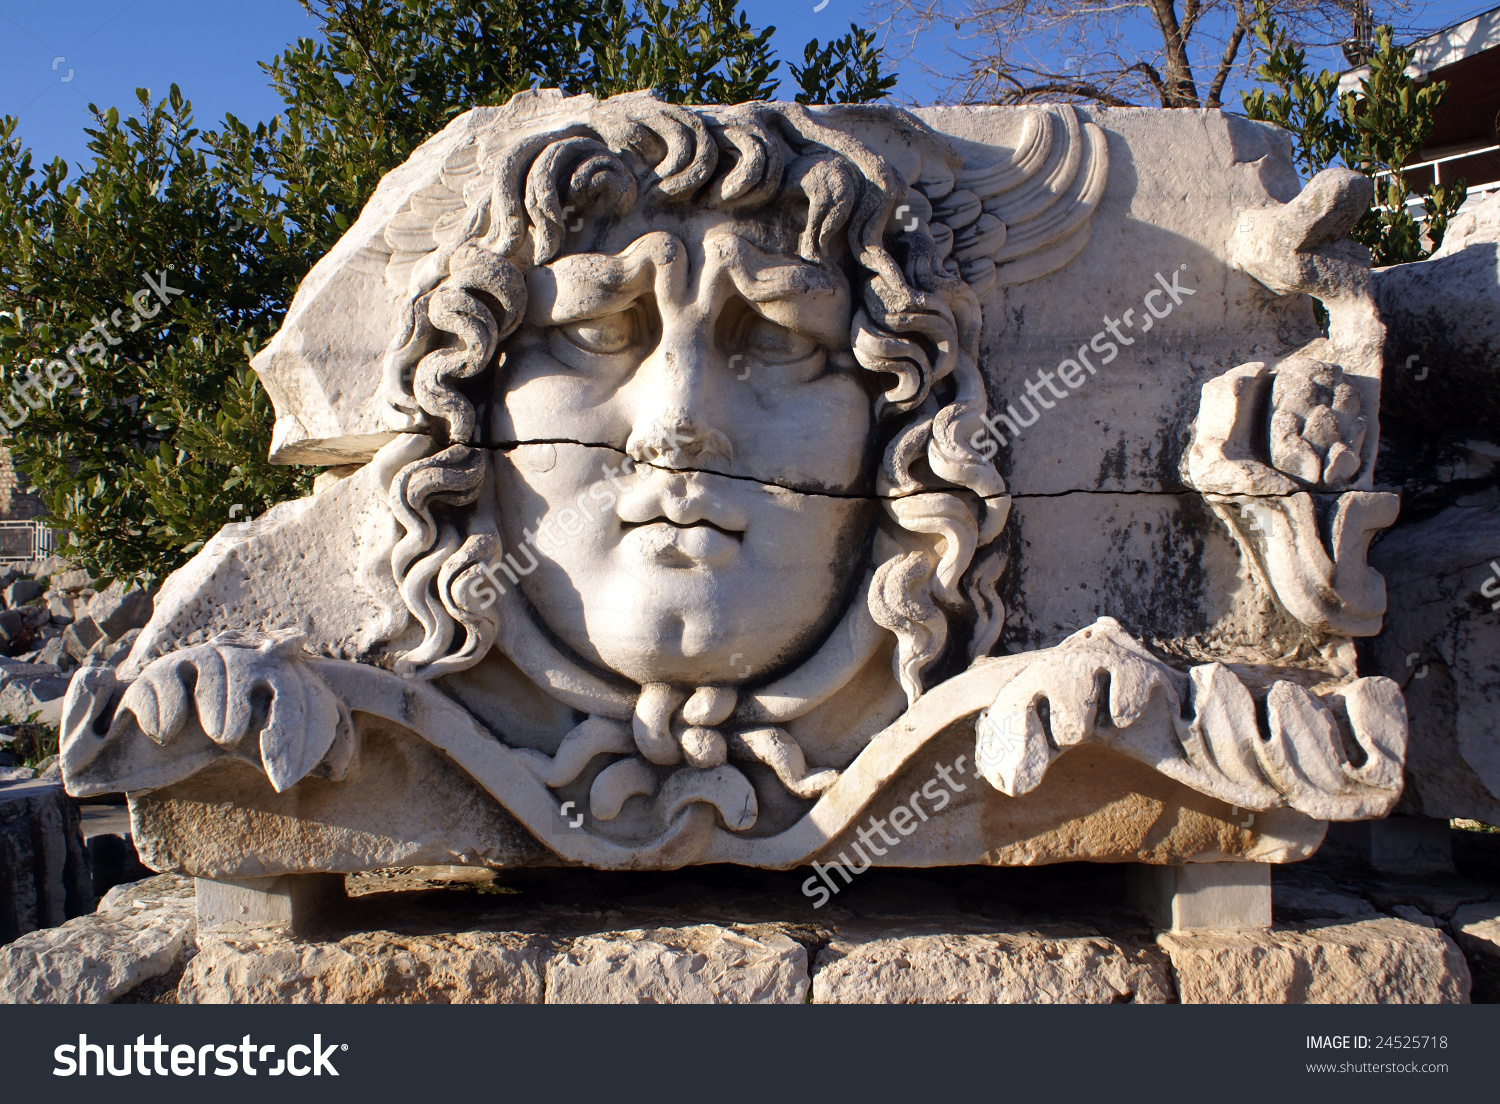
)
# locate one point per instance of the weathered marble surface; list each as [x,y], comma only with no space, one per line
[682,507]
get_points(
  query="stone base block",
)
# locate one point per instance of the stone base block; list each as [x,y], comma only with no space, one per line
[990,969]
[1204,896]
[1384,961]
[370,968]
[439,936]
[286,904]
[702,964]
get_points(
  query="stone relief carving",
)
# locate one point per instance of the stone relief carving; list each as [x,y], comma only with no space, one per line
[667,511]
[1285,455]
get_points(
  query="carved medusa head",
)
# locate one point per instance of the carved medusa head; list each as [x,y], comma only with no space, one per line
[703,395]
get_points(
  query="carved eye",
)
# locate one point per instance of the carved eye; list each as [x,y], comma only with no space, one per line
[775,344]
[613,333]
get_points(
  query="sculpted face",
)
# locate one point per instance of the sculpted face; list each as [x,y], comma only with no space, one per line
[687,446]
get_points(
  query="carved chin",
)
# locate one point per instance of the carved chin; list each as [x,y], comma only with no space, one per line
[691,627]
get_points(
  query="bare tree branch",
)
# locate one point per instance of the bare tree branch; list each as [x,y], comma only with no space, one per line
[1099,51]
[1226,65]
[1026,93]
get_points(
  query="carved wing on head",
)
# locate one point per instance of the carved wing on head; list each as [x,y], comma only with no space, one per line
[1028,215]
[432,217]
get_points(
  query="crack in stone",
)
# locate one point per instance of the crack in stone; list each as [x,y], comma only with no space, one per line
[506,446]
[1163,493]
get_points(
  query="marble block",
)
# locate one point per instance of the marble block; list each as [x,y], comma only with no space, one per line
[778,485]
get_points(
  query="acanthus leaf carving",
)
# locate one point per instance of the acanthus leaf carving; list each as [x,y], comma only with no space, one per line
[1101,687]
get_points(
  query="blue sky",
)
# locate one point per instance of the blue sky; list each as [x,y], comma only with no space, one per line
[57,57]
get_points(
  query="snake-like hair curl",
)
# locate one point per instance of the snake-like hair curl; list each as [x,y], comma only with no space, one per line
[916,320]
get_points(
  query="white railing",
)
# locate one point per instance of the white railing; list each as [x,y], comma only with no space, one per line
[38,540]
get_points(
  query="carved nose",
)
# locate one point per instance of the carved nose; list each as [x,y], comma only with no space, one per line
[676,439]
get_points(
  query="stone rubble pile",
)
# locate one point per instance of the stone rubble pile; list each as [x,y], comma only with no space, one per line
[52,620]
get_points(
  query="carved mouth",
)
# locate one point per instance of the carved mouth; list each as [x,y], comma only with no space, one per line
[674,544]
[701,523]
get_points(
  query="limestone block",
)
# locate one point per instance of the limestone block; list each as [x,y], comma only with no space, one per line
[702,964]
[21,592]
[1477,928]
[60,608]
[80,637]
[140,931]
[116,611]
[989,969]
[71,581]
[369,968]
[1204,896]
[44,875]
[26,687]
[1382,961]
[54,653]
[285,904]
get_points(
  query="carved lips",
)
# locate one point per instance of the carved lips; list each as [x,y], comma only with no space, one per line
[675,519]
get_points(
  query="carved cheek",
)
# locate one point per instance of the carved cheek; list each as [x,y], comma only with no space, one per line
[812,434]
[541,398]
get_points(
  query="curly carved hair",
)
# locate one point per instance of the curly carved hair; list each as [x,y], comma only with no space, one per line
[503,208]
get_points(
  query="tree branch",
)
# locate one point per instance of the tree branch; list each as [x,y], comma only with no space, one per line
[1151,75]
[1180,91]
[1226,64]
[1081,89]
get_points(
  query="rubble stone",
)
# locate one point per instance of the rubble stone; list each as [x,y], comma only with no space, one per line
[21,592]
[80,637]
[140,931]
[117,611]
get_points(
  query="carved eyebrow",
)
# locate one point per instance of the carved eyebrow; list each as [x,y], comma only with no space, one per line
[589,285]
[786,290]
[789,291]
